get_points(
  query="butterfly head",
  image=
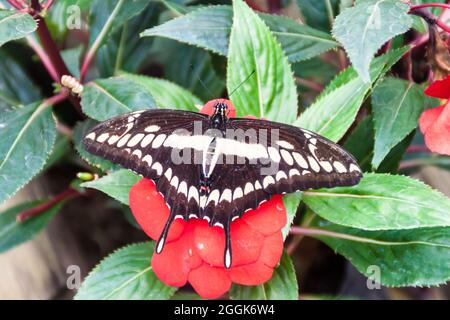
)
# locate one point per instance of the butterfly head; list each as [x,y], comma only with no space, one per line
[222,107]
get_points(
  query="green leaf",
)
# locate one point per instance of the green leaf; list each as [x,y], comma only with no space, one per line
[397,105]
[28,135]
[282,286]
[415,257]
[336,108]
[125,50]
[15,25]
[13,233]
[15,85]
[117,184]
[210,28]
[318,14]
[291,203]
[79,132]
[270,92]
[364,28]
[107,16]
[381,202]
[188,66]
[105,98]
[363,152]
[167,94]
[125,275]
[72,59]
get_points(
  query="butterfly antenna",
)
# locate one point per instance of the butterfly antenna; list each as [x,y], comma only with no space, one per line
[240,84]
[201,82]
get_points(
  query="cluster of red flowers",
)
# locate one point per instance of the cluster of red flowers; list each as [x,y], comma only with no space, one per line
[194,251]
[435,122]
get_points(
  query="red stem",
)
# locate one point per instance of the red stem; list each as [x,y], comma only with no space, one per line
[427,5]
[417,149]
[15,4]
[47,5]
[69,193]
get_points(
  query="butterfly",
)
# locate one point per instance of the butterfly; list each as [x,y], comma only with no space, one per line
[218,167]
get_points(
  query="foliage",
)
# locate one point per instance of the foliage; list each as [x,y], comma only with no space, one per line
[143,55]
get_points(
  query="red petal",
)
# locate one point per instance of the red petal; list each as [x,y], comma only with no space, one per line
[269,217]
[437,135]
[208,108]
[178,257]
[246,243]
[209,282]
[151,211]
[251,275]
[272,249]
[428,117]
[439,89]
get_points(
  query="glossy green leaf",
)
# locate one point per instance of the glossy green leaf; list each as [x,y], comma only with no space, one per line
[291,203]
[397,105]
[210,28]
[318,14]
[79,132]
[416,257]
[13,233]
[270,92]
[189,66]
[168,95]
[381,202]
[125,50]
[282,286]
[105,98]
[28,135]
[16,86]
[107,16]
[72,59]
[15,25]
[336,108]
[126,274]
[364,28]
[116,184]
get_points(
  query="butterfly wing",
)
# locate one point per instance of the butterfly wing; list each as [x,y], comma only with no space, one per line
[294,159]
[140,141]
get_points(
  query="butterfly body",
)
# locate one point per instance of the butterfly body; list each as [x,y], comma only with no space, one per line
[218,167]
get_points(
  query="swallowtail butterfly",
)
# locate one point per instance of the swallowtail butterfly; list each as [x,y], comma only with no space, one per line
[217,167]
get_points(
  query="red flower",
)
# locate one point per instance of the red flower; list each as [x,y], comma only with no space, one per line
[194,251]
[435,123]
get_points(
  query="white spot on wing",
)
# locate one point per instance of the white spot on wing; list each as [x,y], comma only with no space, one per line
[285,144]
[174,182]
[168,174]
[248,188]
[113,139]
[103,137]
[238,193]
[158,168]
[280,175]
[300,160]
[353,167]
[158,141]
[123,140]
[135,140]
[152,128]
[148,159]
[287,157]
[268,180]
[274,154]
[214,196]
[91,136]
[293,172]
[193,193]
[147,140]
[182,188]
[137,153]
[313,163]
[226,195]
[340,168]
[326,166]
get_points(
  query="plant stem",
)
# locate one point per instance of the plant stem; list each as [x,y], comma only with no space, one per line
[309,84]
[56,98]
[427,5]
[48,64]
[429,17]
[98,41]
[15,4]
[67,194]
